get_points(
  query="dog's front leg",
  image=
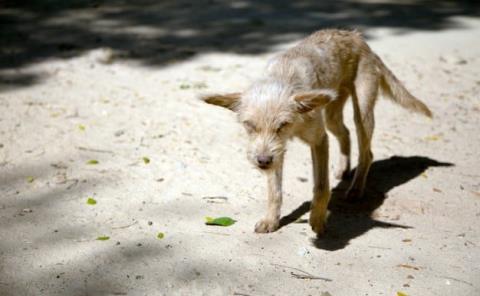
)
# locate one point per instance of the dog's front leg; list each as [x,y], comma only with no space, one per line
[321,189]
[271,220]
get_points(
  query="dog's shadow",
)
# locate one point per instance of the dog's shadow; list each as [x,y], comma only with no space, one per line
[349,220]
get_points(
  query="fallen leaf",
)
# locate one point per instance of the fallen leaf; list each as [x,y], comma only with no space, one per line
[432,138]
[103,238]
[476,193]
[401,294]
[146,160]
[221,221]
[92,161]
[184,86]
[91,201]
[407,240]
[437,190]
[30,179]
[160,235]
[81,127]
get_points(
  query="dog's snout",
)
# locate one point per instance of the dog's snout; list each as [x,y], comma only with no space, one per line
[264,161]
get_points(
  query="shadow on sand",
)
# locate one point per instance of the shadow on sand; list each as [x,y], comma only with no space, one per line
[158,33]
[349,220]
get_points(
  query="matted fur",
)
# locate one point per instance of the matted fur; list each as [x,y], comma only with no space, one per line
[301,94]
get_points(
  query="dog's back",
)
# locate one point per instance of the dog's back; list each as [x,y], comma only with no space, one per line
[325,59]
[334,59]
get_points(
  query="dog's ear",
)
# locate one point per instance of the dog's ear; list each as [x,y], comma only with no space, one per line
[229,101]
[307,101]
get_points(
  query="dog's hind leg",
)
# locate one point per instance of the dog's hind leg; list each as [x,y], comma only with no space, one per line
[321,190]
[364,95]
[335,124]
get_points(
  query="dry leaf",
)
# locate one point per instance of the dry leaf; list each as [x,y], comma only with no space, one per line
[408,266]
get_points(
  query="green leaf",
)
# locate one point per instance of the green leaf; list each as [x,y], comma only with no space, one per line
[81,127]
[103,238]
[160,235]
[91,201]
[92,161]
[221,221]
[184,86]
[146,160]
[401,294]
[30,179]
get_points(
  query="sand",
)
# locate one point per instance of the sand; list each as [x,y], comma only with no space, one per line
[417,232]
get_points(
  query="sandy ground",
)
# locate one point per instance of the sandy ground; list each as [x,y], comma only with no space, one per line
[417,231]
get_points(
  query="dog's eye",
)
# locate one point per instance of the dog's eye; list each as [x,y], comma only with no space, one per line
[281,126]
[249,126]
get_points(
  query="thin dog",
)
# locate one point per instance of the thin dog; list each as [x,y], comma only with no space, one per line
[302,94]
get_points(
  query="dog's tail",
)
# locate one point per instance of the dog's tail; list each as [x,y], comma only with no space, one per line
[394,90]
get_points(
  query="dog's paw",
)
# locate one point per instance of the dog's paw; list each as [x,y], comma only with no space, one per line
[317,222]
[266,225]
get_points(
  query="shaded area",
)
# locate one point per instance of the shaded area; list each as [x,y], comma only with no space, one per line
[349,220]
[59,255]
[161,32]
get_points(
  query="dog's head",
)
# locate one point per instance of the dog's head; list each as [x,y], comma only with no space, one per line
[270,113]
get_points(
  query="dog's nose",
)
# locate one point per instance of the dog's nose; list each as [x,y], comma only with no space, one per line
[264,161]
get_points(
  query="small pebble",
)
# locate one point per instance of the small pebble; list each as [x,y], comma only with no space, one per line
[302,179]
[302,251]
[103,55]
[150,223]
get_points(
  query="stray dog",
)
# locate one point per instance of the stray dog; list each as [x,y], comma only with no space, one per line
[302,92]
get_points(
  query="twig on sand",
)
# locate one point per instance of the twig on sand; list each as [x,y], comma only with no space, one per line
[125,226]
[308,277]
[240,294]
[457,280]
[74,182]
[304,275]
[378,247]
[215,199]
[94,150]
